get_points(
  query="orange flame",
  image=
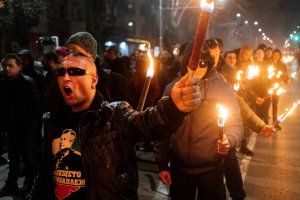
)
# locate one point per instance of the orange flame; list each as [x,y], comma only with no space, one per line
[279,73]
[253,71]
[150,71]
[288,112]
[271,72]
[222,115]
[236,86]
[280,91]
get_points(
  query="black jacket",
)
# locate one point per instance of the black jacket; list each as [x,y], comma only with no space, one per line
[113,86]
[20,105]
[108,133]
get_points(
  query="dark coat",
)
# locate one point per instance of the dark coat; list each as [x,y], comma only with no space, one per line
[193,147]
[119,67]
[113,86]
[52,97]
[21,105]
[108,133]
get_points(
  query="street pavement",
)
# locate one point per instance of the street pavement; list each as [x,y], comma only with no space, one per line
[273,173]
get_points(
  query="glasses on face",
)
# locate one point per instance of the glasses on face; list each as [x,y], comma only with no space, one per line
[72,71]
[203,63]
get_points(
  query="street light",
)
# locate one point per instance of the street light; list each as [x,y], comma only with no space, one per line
[255,23]
[130,23]
[160,27]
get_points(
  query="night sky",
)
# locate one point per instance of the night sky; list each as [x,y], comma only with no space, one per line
[278,18]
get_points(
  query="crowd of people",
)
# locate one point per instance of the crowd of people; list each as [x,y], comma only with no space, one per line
[72,129]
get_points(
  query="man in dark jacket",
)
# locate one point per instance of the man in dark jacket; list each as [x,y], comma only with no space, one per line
[195,150]
[21,114]
[105,135]
[31,69]
[111,56]
[52,98]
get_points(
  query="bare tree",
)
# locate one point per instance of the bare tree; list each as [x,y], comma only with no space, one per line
[19,16]
[101,16]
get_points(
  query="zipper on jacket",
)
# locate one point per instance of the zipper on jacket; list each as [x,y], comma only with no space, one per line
[190,125]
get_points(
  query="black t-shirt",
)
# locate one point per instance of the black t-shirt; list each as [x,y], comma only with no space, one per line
[68,171]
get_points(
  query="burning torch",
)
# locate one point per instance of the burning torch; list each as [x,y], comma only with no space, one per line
[236,86]
[207,7]
[222,116]
[287,112]
[147,82]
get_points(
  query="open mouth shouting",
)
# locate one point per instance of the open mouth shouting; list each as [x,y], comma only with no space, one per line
[67,91]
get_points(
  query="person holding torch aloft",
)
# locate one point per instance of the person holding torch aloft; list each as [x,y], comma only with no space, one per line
[195,151]
[106,133]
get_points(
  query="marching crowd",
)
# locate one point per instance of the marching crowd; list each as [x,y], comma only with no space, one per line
[72,129]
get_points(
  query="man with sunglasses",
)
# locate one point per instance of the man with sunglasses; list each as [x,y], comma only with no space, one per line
[113,86]
[195,152]
[106,134]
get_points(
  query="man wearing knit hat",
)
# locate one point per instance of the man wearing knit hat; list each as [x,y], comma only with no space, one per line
[83,42]
[118,91]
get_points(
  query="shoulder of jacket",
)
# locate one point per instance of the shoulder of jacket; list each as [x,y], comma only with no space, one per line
[26,77]
[119,104]
[107,71]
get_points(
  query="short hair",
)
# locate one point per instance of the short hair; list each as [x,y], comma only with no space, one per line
[51,56]
[228,52]
[113,49]
[262,46]
[269,48]
[211,43]
[12,56]
[245,47]
[80,54]
[277,51]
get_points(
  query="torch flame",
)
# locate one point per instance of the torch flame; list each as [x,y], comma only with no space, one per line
[288,112]
[271,72]
[253,71]
[275,87]
[150,71]
[279,73]
[236,86]
[222,115]
[238,75]
[280,91]
[270,91]
[207,5]
[293,75]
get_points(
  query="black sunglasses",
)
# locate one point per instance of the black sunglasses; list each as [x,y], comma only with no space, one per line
[72,71]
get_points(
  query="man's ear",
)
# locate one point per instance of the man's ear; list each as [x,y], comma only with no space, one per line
[20,66]
[94,80]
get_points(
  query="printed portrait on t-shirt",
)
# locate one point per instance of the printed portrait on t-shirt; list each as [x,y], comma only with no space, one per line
[68,170]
